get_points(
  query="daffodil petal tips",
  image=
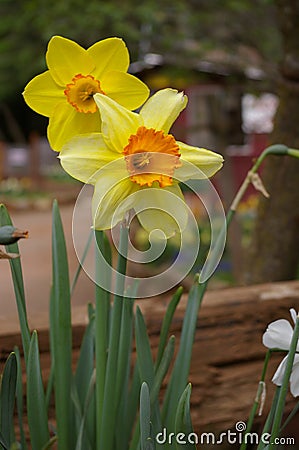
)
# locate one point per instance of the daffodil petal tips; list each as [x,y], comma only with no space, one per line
[66,58]
[75,75]
[112,53]
[118,123]
[163,108]
[42,94]
[202,163]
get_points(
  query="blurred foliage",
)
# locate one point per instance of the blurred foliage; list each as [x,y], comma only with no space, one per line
[169,27]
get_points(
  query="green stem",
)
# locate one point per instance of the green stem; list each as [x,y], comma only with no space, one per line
[272,150]
[110,400]
[102,310]
[269,420]
[290,416]
[80,265]
[50,385]
[284,387]
[277,149]
[256,403]
[179,377]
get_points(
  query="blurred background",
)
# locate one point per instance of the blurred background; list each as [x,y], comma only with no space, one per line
[238,63]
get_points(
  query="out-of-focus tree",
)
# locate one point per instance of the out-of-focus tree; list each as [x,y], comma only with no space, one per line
[176,27]
[275,244]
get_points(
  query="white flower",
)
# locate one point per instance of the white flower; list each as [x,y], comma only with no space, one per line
[279,335]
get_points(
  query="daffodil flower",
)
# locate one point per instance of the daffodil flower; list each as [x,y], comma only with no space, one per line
[279,335]
[135,162]
[64,93]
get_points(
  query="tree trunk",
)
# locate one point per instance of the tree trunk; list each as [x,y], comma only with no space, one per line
[274,251]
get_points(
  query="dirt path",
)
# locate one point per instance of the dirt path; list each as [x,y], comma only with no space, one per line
[36,264]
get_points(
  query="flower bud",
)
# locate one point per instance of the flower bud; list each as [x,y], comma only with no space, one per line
[10,234]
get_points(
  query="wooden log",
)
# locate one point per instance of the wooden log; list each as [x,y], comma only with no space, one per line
[227,356]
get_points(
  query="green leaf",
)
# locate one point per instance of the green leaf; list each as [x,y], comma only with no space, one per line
[167,323]
[50,443]
[146,441]
[123,373]
[125,343]
[36,404]
[85,364]
[82,442]
[17,277]
[81,262]
[3,442]
[50,385]
[83,377]
[102,320]
[20,403]
[269,421]
[144,356]
[183,420]
[158,378]
[290,416]
[110,400]
[132,408]
[180,372]
[7,398]
[61,334]
[145,364]
[163,368]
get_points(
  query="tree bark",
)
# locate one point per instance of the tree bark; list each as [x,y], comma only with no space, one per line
[274,251]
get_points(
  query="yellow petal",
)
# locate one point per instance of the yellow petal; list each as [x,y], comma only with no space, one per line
[84,155]
[42,94]
[66,58]
[109,54]
[162,109]
[162,209]
[197,163]
[125,89]
[118,123]
[66,123]
[111,200]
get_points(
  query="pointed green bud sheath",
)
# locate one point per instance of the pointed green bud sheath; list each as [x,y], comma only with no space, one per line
[10,234]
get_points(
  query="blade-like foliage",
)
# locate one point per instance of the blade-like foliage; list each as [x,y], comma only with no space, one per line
[18,283]
[7,399]
[61,333]
[146,441]
[183,422]
[36,404]
[180,373]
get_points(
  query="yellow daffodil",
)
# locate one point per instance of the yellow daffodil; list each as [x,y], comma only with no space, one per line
[135,154]
[64,93]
